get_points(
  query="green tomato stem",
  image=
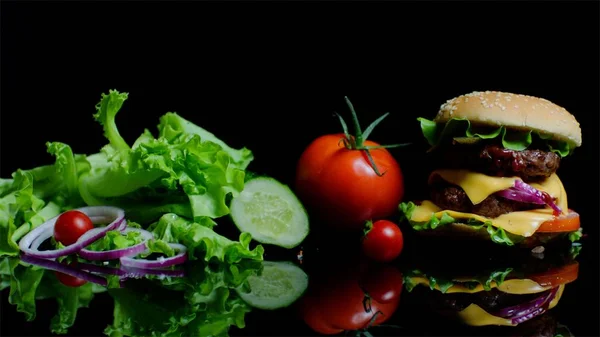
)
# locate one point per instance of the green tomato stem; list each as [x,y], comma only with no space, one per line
[357,130]
[356,141]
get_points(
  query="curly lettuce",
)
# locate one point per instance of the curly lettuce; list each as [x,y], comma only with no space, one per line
[34,196]
[202,242]
[186,170]
[460,129]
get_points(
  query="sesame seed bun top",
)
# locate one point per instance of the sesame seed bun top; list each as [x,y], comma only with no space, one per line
[513,111]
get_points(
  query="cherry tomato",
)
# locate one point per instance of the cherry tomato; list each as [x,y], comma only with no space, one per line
[383,242]
[564,223]
[336,302]
[68,280]
[341,186]
[70,226]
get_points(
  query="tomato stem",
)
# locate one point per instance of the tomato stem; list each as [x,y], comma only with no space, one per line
[357,130]
[356,141]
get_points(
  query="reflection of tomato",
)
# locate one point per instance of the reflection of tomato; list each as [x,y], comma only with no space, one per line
[557,276]
[68,280]
[337,302]
[564,223]
[384,284]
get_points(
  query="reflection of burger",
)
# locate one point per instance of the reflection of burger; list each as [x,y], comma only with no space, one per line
[493,294]
[497,155]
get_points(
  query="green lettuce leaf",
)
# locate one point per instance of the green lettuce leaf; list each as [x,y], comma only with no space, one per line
[115,239]
[496,234]
[34,196]
[186,170]
[445,283]
[173,126]
[204,243]
[460,128]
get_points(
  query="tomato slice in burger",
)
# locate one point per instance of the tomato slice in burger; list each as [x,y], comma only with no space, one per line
[563,223]
[557,276]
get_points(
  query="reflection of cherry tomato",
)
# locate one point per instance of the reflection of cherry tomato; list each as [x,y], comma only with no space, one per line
[336,302]
[341,186]
[70,226]
[384,284]
[68,280]
[563,223]
[383,242]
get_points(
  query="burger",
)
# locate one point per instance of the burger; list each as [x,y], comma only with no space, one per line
[496,293]
[495,178]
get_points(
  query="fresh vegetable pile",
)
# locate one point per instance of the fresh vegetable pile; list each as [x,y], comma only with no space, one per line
[351,183]
[139,223]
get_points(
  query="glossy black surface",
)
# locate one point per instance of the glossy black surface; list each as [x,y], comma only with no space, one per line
[271,82]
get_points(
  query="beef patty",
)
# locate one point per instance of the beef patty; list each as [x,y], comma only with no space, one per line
[454,198]
[531,165]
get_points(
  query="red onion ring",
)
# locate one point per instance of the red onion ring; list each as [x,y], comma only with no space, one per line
[161,262]
[119,253]
[523,192]
[98,214]
[65,269]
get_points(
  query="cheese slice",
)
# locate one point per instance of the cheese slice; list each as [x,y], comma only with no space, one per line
[511,286]
[479,186]
[474,315]
[524,223]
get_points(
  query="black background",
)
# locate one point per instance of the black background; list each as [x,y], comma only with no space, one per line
[268,76]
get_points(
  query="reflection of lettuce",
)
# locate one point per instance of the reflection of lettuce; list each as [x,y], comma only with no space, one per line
[444,284]
[461,129]
[28,284]
[201,304]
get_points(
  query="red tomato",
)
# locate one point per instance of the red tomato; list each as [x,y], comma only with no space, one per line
[342,187]
[564,223]
[336,303]
[70,226]
[383,242]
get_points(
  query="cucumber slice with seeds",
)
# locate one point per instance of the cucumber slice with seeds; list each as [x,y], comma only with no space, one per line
[270,212]
[280,284]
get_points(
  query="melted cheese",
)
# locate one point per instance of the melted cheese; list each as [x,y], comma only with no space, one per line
[523,223]
[512,286]
[479,186]
[474,315]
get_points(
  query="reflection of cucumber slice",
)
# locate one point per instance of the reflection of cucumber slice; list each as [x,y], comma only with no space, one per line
[270,212]
[279,285]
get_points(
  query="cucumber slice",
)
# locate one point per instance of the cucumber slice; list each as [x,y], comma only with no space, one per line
[270,212]
[280,284]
